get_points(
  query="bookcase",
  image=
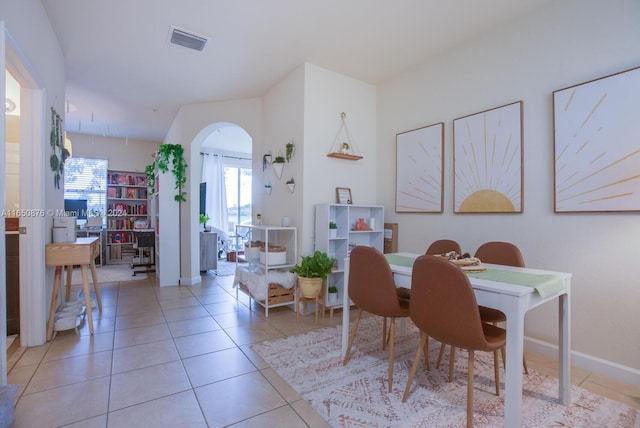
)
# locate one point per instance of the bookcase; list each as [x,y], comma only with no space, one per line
[127,210]
[338,244]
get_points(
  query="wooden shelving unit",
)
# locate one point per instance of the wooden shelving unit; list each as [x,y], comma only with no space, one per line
[127,210]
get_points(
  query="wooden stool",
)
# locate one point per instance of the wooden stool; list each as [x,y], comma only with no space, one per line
[318,301]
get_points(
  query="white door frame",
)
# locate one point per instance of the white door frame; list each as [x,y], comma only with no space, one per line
[33,291]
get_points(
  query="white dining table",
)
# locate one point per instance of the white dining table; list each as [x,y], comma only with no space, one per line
[514,300]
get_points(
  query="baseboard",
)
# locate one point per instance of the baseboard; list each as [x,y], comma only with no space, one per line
[606,368]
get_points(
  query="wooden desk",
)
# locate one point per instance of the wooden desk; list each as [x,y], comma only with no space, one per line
[514,300]
[82,252]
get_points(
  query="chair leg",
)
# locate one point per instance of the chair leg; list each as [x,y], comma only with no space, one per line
[353,336]
[496,371]
[392,333]
[441,354]
[524,364]
[426,354]
[452,357]
[414,367]
[470,389]
[384,332]
[503,351]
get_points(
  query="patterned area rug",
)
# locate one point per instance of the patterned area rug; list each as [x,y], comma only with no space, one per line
[108,274]
[356,395]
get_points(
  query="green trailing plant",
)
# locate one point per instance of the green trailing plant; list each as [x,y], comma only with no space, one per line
[59,153]
[289,149]
[318,265]
[278,159]
[169,155]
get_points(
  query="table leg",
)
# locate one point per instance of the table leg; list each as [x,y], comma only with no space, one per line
[87,296]
[513,372]
[345,309]
[564,350]
[68,290]
[54,301]
[94,277]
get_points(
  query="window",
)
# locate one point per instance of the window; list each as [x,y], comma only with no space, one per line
[86,179]
[238,188]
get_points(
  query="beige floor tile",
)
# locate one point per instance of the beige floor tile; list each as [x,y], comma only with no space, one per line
[67,371]
[224,307]
[179,302]
[193,326]
[251,395]
[141,335]
[139,356]
[238,318]
[33,355]
[142,385]
[132,307]
[138,320]
[185,313]
[70,344]
[97,422]
[21,376]
[280,385]
[211,298]
[203,343]
[254,333]
[310,416]
[65,405]
[179,410]
[101,324]
[254,357]
[216,366]
[283,417]
[170,293]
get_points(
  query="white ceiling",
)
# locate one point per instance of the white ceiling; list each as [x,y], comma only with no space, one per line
[123,78]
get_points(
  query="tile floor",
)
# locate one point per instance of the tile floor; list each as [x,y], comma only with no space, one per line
[181,357]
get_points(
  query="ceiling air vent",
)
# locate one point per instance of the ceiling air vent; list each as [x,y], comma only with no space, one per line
[186,39]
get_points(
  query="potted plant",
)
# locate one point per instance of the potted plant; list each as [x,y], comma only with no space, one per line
[312,271]
[332,295]
[204,218]
[344,148]
[333,229]
[169,156]
[278,165]
[290,149]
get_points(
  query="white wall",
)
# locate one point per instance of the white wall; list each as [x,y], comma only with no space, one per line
[283,107]
[122,154]
[327,96]
[563,44]
[190,128]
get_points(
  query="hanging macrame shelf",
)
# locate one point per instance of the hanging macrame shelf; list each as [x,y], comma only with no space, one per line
[344,148]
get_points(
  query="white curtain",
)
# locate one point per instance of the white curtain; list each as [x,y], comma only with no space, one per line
[216,206]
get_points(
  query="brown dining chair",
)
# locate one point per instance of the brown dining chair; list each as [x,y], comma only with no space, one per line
[372,289]
[499,253]
[442,246]
[443,306]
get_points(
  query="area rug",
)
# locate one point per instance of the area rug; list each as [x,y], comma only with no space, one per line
[109,274]
[356,395]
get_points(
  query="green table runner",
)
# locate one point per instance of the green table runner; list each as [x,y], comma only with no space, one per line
[544,284]
[397,260]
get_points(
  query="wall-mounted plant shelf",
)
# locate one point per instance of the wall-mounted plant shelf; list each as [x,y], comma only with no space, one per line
[343,145]
[344,156]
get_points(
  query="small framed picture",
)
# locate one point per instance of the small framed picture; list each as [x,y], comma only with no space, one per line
[344,195]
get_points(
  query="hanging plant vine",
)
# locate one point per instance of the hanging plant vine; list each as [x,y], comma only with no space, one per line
[166,156]
[59,154]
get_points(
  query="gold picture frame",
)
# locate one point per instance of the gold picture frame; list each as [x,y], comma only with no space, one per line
[343,194]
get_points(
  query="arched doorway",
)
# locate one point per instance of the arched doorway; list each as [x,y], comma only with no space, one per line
[225,152]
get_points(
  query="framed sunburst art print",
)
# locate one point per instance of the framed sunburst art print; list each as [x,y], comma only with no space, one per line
[597,145]
[487,161]
[419,170]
